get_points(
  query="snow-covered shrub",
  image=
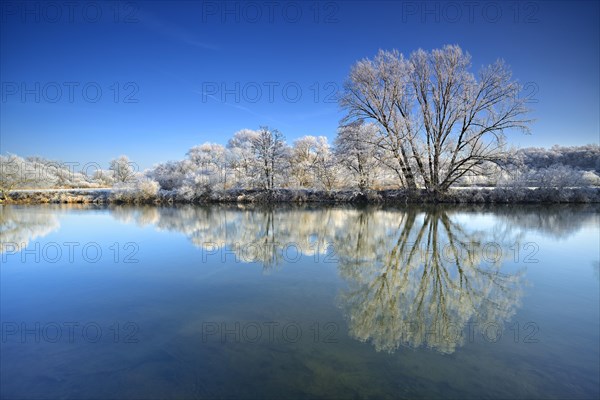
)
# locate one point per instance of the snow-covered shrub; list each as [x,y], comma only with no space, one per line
[146,188]
[142,189]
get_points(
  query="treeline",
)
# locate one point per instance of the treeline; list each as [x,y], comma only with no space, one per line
[255,162]
[262,159]
[557,167]
[23,173]
[586,158]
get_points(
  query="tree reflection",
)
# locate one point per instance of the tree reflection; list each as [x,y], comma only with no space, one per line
[19,226]
[429,281]
[262,235]
[557,221]
[414,277]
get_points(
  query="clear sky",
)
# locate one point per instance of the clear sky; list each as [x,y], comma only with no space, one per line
[88,81]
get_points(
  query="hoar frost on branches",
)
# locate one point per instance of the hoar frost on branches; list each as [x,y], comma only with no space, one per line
[438,121]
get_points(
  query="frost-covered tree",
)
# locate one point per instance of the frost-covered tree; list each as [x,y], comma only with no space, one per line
[311,163]
[557,176]
[103,178]
[241,158]
[19,173]
[123,170]
[302,161]
[327,170]
[437,120]
[11,175]
[270,151]
[556,167]
[171,174]
[581,157]
[65,175]
[208,164]
[37,172]
[356,150]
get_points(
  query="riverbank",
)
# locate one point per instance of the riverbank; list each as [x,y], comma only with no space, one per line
[299,196]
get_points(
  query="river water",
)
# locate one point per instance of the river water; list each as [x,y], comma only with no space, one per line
[302,302]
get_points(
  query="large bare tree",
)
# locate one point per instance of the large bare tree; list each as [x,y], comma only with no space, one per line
[439,122]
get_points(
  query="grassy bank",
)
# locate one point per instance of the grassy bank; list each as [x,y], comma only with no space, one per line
[475,196]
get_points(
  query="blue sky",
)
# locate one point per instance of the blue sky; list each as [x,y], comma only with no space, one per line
[88,82]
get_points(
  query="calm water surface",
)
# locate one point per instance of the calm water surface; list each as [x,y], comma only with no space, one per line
[235,302]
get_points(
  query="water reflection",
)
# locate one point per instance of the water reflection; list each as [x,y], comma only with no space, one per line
[423,282]
[413,277]
[558,221]
[20,226]
[263,235]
